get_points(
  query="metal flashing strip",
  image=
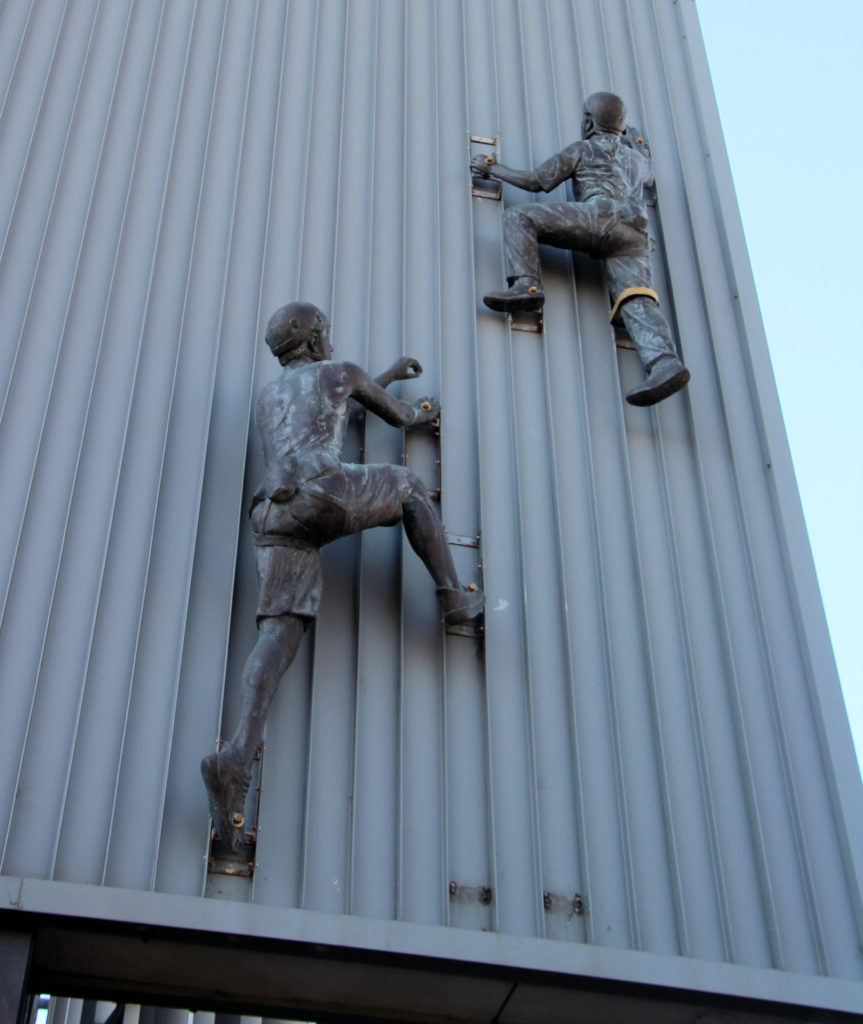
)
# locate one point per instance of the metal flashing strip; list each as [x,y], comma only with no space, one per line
[85,945]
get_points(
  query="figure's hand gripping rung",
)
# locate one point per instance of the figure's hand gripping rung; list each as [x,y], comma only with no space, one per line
[484,146]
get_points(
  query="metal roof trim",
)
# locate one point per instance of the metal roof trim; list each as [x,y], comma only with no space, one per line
[188,914]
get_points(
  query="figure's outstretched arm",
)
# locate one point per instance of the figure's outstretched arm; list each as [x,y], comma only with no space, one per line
[487,167]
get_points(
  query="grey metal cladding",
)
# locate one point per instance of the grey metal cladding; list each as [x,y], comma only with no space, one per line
[650,751]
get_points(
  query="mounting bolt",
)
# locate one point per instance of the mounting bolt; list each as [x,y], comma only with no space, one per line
[472,587]
[238,820]
[425,406]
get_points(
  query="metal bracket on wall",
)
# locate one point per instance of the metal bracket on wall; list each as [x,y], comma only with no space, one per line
[621,336]
[222,861]
[462,540]
[531,322]
[481,894]
[430,429]
[473,629]
[554,903]
[422,461]
[484,188]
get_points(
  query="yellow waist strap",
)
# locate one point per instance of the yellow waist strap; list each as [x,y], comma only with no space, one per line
[632,293]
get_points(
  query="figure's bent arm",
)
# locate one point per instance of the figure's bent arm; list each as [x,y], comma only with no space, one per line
[544,178]
[527,180]
[521,179]
[392,410]
[405,368]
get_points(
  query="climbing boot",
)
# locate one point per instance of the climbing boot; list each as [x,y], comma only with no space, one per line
[666,376]
[460,606]
[523,296]
[226,779]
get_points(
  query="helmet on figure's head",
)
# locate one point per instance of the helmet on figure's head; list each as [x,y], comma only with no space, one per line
[603,112]
[298,329]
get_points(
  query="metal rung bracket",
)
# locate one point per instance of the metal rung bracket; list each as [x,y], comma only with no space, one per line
[222,861]
[484,188]
[554,903]
[622,338]
[531,322]
[476,628]
[462,540]
[482,894]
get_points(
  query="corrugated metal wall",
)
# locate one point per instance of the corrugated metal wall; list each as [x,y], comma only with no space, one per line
[653,722]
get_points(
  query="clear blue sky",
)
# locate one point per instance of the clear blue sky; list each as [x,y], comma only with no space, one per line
[788,76]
